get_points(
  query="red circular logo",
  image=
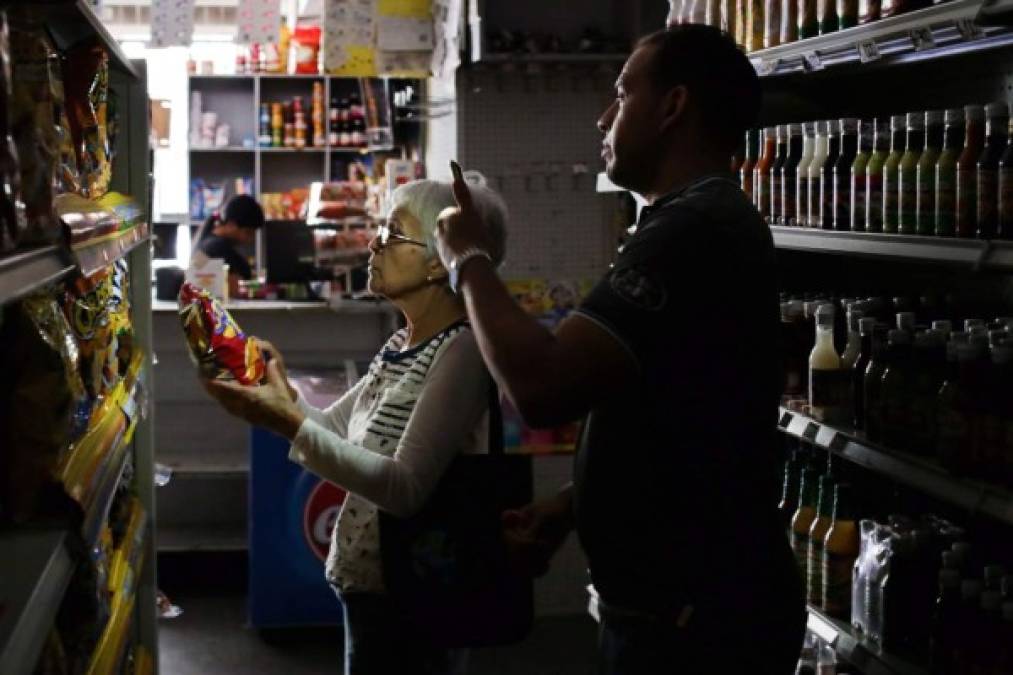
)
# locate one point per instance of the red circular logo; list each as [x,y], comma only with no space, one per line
[321,512]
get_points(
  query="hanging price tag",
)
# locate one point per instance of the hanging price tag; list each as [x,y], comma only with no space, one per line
[811,62]
[767,66]
[968,29]
[785,420]
[868,51]
[811,430]
[922,39]
[838,442]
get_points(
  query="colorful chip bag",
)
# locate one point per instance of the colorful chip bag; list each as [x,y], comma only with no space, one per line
[219,348]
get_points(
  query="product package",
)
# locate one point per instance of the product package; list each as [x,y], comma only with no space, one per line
[86,220]
[91,114]
[218,346]
[306,49]
[86,305]
[12,209]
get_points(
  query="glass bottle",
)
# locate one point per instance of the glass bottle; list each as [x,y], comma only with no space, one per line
[874,175]
[858,184]
[946,172]
[868,11]
[847,14]
[749,163]
[866,326]
[789,21]
[895,393]
[873,383]
[840,550]
[967,165]
[802,174]
[771,23]
[842,174]
[825,372]
[780,155]
[1006,188]
[789,175]
[808,24]
[791,492]
[925,199]
[754,25]
[761,180]
[826,16]
[987,179]
[815,172]
[942,650]
[817,535]
[854,341]
[907,175]
[803,519]
[891,174]
[827,179]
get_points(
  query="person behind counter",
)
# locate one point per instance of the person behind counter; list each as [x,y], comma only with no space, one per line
[220,235]
[389,439]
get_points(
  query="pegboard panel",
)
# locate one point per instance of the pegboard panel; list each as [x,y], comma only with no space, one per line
[533,135]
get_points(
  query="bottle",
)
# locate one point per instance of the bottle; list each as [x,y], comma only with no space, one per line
[858,183]
[873,383]
[808,23]
[817,535]
[826,660]
[946,173]
[796,355]
[827,179]
[854,340]
[987,218]
[847,14]
[729,17]
[771,23]
[874,175]
[791,492]
[712,13]
[821,151]
[359,138]
[888,8]
[319,133]
[907,175]
[345,127]
[929,361]
[868,11]
[891,174]
[895,389]
[299,126]
[749,163]
[333,124]
[761,177]
[840,551]
[802,174]
[780,155]
[967,164]
[1006,188]
[954,407]
[826,16]
[264,127]
[277,125]
[825,372]
[789,175]
[842,174]
[942,648]
[789,21]
[754,25]
[803,519]
[925,197]
[866,326]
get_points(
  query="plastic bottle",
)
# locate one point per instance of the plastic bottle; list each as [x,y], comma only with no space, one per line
[802,174]
[925,197]
[789,175]
[827,207]
[987,178]
[967,166]
[858,182]
[842,174]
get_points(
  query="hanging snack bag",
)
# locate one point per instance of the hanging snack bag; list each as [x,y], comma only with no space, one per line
[217,345]
[122,351]
[86,75]
[86,306]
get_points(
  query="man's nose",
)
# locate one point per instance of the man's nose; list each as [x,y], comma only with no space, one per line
[605,121]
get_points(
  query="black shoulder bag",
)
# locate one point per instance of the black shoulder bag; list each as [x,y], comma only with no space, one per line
[446,567]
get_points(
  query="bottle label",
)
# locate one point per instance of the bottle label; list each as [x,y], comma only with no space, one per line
[858,212]
[966,201]
[814,573]
[842,201]
[874,202]
[907,200]
[946,200]
[987,200]
[891,198]
[837,571]
[1006,202]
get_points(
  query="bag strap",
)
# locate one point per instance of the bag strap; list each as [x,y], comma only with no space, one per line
[495,420]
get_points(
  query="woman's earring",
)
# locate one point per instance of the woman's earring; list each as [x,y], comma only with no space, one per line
[429,278]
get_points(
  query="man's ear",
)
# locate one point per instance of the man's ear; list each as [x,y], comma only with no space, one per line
[673,106]
[435,269]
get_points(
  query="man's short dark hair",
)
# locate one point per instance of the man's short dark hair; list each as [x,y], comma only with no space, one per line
[717,73]
[244,211]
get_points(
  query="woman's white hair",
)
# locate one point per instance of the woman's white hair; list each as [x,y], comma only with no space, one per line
[426,199]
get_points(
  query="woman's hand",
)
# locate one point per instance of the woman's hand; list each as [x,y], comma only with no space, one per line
[271,353]
[270,405]
[535,532]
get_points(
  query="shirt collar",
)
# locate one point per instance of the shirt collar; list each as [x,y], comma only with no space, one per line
[669,197]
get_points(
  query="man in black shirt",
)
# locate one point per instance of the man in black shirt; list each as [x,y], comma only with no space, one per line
[237,226]
[674,359]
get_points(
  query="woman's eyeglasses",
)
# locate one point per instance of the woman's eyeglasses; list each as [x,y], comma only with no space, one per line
[385,236]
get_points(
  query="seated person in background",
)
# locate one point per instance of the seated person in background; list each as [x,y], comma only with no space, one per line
[389,439]
[220,235]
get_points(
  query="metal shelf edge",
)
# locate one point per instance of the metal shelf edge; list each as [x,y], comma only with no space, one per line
[842,638]
[25,271]
[929,249]
[105,253]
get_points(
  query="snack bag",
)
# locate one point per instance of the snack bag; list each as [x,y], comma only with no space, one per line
[86,305]
[217,345]
[122,350]
[86,75]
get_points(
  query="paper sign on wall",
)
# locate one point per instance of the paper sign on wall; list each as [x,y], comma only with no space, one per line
[349,37]
[171,23]
[257,21]
[401,34]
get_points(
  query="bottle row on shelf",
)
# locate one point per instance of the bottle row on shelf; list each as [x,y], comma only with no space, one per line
[283,124]
[914,587]
[935,173]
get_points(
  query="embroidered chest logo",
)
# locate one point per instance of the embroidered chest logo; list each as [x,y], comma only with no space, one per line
[637,287]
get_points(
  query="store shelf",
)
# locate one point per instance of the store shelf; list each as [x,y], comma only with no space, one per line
[916,472]
[25,271]
[927,249]
[34,574]
[73,21]
[231,148]
[940,30]
[93,256]
[867,657]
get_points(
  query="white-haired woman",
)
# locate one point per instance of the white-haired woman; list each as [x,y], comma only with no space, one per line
[389,439]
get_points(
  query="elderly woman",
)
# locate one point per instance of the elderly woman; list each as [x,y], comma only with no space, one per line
[389,439]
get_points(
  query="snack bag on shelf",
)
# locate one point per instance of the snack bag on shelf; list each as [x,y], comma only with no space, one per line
[218,346]
[43,403]
[306,49]
[86,75]
[128,212]
[122,352]
[85,219]
[86,305]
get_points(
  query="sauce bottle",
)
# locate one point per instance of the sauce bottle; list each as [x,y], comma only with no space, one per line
[891,174]
[771,23]
[842,180]
[854,341]
[826,16]
[943,655]
[803,519]
[761,177]
[967,165]
[825,373]
[789,175]
[907,175]
[1006,188]
[847,14]
[790,493]
[873,383]
[815,173]
[749,163]
[754,25]
[741,15]
[946,173]
[987,218]
[802,174]
[780,155]
[858,182]
[827,179]
[866,326]
[789,21]
[840,551]
[889,8]
[868,11]
[728,17]
[925,197]
[874,175]
[808,24]
[817,535]
[895,394]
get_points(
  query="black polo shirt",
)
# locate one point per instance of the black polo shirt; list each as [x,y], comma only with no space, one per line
[214,246]
[677,479]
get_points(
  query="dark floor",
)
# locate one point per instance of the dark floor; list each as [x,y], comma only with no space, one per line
[211,637]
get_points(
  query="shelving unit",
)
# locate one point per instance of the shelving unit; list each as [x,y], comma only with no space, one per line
[23,271]
[861,653]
